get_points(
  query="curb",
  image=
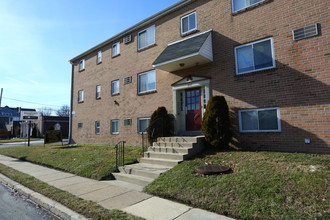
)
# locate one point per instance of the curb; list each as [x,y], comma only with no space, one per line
[48,204]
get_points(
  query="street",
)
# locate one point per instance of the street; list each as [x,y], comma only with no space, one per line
[15,206]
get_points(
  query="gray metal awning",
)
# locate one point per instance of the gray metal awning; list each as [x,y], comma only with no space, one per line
[186,53]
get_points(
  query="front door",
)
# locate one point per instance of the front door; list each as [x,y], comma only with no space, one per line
[193,109]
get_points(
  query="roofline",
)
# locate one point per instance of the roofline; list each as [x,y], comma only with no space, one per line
[136,26]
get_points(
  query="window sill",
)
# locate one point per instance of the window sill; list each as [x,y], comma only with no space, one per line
[80,102]
[98,98]
[147,93]
[81,70]
[117,55]
[271,69]
[115,94]
[146,48]
[251,7]
[115,133]
[269,131]
[98,63]
[189,33]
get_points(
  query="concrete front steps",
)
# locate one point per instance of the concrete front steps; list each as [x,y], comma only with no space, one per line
[166,153]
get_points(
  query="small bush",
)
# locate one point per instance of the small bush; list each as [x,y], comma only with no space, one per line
[159,125]
[216,122]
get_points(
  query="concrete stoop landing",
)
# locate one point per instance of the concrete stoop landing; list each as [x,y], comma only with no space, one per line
[166,153]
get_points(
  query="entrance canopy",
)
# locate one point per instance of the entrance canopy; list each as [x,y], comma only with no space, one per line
[186,53]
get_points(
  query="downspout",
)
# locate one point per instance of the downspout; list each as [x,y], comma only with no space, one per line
[71,104]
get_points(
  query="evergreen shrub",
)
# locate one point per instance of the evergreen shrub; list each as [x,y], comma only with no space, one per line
[159,125]
[216,122]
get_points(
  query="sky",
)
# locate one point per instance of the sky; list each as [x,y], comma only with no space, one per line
[39,37]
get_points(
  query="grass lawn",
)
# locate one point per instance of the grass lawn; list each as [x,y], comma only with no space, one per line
[17,140]
[88,209]
[263,185]
[92,161]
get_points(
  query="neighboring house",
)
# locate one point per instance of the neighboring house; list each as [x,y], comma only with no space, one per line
[55,123]
[269,59]
[10,118]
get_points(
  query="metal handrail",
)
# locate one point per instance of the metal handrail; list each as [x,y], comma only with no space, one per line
[120,154]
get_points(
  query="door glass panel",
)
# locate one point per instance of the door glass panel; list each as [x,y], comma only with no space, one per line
[189,106]
[197,99]
[188,100]
[188,94]
[193,93]
[197,105]
[197,92]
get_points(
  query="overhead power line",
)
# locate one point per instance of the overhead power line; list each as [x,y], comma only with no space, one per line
[30,102]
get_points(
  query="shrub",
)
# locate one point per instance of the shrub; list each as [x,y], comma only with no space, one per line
[34,132]
[216,122]
[159,125]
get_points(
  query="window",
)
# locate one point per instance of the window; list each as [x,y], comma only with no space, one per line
[115,87]
[81,64]
[114,126]
[188,23]
[147,81]
[98,92]
[99,57]
[255,56]
[143,124]
[81,96]
[116,49]
[127,80]
[127,122]
[146,37]
[241,4]
[97,127]
[80,125]
[260,120]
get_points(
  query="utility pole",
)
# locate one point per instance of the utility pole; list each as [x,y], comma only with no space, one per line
[1,96]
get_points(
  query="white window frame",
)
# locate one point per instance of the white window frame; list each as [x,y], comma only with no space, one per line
[99,57]
[246,6]
[97,127]
[140,119]
[80,96]
[146,73]
[82,65]
[153,40]
[112,87]
[98,93]
[182,33]
[115,49]
[259,109]
[114,121]
[252,43]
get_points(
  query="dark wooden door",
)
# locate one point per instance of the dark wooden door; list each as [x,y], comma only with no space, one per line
[193,109]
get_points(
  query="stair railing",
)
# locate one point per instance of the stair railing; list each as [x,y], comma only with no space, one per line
[120,154]
[156,129]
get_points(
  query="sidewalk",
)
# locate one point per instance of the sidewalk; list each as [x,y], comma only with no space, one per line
[110,196]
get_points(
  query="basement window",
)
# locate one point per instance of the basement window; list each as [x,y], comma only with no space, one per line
[260,120]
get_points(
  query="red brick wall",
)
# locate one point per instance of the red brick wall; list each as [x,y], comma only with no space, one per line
[299,85]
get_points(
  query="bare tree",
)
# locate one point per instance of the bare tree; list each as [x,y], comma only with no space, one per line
[46,111]
[64,111]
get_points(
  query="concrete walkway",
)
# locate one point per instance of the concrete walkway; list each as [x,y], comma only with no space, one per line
[111,196]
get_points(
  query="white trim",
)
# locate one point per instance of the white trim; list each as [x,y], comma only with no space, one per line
[82,96]
[187,16]
[246,6]
[139,119]
[252,43]
[146,30]
[98,95]
[99,57]
[117,49]
[259,109]
[196,35]
[138,83]
[112,82]
[115,120]
[83,65]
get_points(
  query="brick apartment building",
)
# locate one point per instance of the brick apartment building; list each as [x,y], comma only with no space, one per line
[268,58]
